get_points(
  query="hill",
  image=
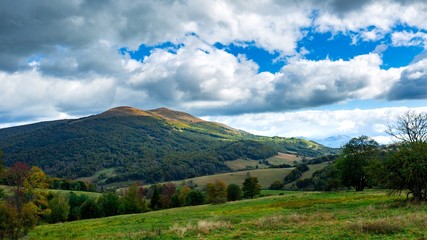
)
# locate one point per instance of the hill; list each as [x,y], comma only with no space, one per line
[132,144]
[295,215]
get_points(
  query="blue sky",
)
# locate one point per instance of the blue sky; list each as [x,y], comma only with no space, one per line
[246,64]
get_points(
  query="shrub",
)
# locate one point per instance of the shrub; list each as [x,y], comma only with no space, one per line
[89,209]
[234,192]
[195,197]
[276,185]
[251,187]
[59,209]
[109,204]
[216,192]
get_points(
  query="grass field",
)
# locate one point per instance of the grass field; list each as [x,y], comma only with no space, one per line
[241,164]
[293,215]
[65,192]
[284,158]
[265,177]
[99,176]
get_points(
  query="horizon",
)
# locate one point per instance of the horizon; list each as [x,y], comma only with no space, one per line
[288,69]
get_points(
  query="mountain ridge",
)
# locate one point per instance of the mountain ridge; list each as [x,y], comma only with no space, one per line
[153,145]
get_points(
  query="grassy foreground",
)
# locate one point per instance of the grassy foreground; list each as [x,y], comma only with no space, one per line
[294,215]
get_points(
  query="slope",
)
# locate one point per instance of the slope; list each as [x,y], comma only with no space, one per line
[151,146]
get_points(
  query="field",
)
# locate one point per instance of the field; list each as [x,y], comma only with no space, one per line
[241,164]
[284,158]
[265,177]
[58,191]
[293,215]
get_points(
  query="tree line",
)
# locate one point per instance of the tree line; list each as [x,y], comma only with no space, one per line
[30,203]
[400,167]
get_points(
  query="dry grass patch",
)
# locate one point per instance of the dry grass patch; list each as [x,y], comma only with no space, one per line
[206,226]
[202,227]
[379,226]
[269,222]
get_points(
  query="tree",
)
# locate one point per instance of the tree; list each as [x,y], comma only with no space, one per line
[216,192]
[75,201]
[155,198]
[406,169]
[410,127]
[15,177]
[59,208]
[169,190]
[195,197]
[133,201]
[109,204]
[354,159]
[89,209]
[251,187]
[276,185]
[234,192]
[9,222]
[183,193]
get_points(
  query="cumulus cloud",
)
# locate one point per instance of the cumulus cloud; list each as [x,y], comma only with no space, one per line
[412,83]
[317,124]
[62,58]
[409,38]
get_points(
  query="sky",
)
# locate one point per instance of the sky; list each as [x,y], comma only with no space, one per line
[290,68]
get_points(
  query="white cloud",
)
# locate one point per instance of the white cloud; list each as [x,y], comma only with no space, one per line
[409,38]
[71,65]
[319,123]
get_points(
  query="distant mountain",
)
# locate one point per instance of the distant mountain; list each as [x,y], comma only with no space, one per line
[334,141]
[133,144]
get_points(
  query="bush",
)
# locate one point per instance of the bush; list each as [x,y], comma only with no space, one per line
[89,209]
[59,209]
[9,222]
[109,204]
[216,192]
[234,192]
[195,197]
[75,201]
[276,185]
[251,187]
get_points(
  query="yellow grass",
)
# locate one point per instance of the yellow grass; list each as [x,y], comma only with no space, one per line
[241,164]
[284,158]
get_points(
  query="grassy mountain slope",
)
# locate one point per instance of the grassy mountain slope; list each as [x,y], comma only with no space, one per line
[296,215]
[152,146]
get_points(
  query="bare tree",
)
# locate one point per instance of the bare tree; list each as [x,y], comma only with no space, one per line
[411,127]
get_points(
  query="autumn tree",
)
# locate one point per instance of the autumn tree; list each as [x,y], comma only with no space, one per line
[354,159]
[133,200]
[15,177]
[216,192]
[182,195]
[251,187]
[168,190]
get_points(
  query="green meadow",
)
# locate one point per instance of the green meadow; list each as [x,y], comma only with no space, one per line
[290,215]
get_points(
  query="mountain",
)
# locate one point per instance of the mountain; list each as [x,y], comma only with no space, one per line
[334,141]
[133,144]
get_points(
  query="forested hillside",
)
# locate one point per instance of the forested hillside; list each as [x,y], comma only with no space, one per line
[151,146]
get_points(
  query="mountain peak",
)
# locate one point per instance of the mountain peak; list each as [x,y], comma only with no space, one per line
[175,115]
[126,110]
